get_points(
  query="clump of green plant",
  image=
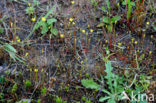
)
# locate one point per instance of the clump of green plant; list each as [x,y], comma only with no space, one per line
[109,20]
[59,100]
[130,4]
[45,24]
[43,91]
[114,82]
[27,83]
[31,8]
[14,88]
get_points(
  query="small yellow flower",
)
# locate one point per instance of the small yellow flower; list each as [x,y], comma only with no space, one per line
[81,62]
[88,25]
[91,30]
[36,70]
[73,23]
[18,40]
[71,19]
[147,23]
[119,44]
[83,31]
[135,42]
[106,41]
[132,40]
[151,36]
[26,54]
[150,52]
[33,19]
[43,19]
[29,4]
[61,35]
[73,2]
[30,70]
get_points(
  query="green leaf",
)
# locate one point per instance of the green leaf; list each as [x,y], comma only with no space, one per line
[50,11]
[133,3]
[154,27]
[54,31]
[1,30]
[106,20]
[100,25]
[115,19]
[9,48]
[102,99]
[90,84]
[44,28]
[50,21]
[111,101]
[108,4]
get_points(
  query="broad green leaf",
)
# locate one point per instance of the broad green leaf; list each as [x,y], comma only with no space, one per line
[111,101]
[115,19]
[102,99]
[52,20]
[90,84]
[106,20]
[54,31]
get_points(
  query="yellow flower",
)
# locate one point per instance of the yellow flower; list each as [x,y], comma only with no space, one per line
[136,42]
[151,36]
[26,54]
[36,70]
[119,44]
[83,31]
[61,35]
[18,40]
[132,40]
[91,30]
[33,19]
[73,2]
[88,25]
[150,52]
[147,23]
[71,19]
[73,23]
[43,19]
[29,4]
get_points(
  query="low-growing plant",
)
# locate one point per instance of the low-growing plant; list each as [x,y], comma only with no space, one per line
[130,4]
[114,82]
[27,83]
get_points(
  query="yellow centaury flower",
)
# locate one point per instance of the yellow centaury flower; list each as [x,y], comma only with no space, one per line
[26,54]
[43,19]
[61,35]
[36,70]
[136,42]
[73,23]
[147,23]
[29,4]
[71,19]
[73,2]
[33,19]
[83,31]
[91,30]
